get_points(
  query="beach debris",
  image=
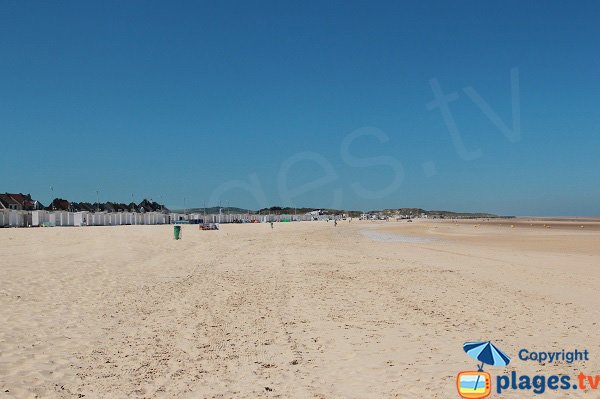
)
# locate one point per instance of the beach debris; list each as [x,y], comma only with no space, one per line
[209,226]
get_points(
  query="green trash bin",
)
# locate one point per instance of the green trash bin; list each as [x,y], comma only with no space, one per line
[177,232]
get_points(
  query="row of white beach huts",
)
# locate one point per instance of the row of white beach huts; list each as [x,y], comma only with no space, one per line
[15,218]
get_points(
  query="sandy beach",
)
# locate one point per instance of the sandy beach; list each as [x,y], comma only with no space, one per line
[306,310]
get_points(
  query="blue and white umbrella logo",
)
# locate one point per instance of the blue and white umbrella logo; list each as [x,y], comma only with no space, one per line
[486,353]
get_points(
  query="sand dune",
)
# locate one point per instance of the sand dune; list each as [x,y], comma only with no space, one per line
[306,310]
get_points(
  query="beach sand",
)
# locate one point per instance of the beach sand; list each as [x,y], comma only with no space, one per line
[306,310]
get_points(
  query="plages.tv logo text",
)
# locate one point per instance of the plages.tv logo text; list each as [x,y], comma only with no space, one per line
[539,384]
[478,384]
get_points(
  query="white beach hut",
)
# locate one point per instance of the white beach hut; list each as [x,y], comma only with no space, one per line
[39,218]
[18,218]
[4,218]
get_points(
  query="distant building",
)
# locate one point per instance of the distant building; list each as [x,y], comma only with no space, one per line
[59,204]
[19,202]
[83,207]
[151,206]
[7,202]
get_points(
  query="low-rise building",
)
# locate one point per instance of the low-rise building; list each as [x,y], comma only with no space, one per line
[19,202]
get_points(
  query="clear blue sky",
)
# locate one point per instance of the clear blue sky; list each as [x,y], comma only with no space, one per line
[193,99]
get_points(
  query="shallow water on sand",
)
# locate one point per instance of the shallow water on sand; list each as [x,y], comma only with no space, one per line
[390,237]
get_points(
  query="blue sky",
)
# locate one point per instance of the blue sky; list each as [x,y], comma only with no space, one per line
[256,104]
